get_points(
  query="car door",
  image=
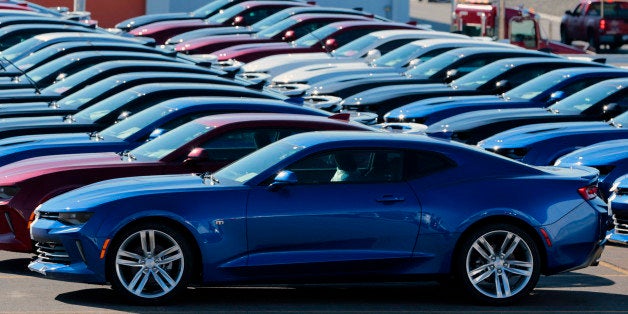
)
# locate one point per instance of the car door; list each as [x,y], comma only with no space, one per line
[336,215]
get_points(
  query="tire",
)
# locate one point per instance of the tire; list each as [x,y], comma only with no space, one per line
[497,264]
[149,263]
[564,38]
[593,41]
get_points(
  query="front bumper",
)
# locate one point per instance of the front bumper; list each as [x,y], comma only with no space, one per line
[14,234]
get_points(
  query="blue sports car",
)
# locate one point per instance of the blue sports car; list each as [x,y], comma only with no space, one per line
[329,207]
[609,157]
[618,205]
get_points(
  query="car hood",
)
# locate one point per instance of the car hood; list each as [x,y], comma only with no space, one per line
[267,63]
[477,118]
[603,153]
[380,94]
[228,53]
[344,81]
[525,135]
[151,18]
[306,73]
[37,166]
[116,189]
[159,26]
[421,107]
[26,121]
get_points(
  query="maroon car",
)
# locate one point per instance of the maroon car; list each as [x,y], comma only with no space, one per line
[205,144]
[325,39]
[289,29]
[243,14]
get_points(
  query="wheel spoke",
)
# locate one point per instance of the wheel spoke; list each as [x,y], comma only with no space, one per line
[513,245]
[516,271]
[122,253]
[164,287]
[124,262]
[170,259]
[148,241]
[483,276]
[502,285]
[478,247]
[478,270]
[168,251]
[135,279]
[142,284]
[165,275]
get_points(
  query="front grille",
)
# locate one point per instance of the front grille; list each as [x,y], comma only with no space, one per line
[49,215]
[622,191]
[52,252]
[621,223]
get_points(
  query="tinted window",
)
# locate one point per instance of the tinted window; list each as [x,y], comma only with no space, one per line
[422,163]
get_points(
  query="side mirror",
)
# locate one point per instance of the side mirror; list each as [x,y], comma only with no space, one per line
[568,12]
[238,20]
[556,96]
[123,115]
[283,178]
[197,154]
[330,44]
[501,86]
[288,36]
[155,134]
[372,55]
[451,75]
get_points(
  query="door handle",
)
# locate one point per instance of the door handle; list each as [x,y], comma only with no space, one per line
[390,198]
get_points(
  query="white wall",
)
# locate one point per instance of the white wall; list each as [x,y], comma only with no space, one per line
[398,10]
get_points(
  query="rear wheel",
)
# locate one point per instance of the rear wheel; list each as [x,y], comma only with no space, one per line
[498,264]
[594,43]
[564,38]
[149,263]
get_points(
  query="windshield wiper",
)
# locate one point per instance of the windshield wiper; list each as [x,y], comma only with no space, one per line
[552,110]
[209,177]
[69,119]
[127,154]
[96,136]
[615,124]
[30,80]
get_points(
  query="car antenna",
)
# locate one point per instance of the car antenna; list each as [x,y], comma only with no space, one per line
[30,80]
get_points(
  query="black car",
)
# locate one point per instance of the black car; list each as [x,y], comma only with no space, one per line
[494,78]
[15,34]
[120,106]
[598,102]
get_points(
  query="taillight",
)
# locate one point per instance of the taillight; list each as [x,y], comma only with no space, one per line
[602,25]
[588,192]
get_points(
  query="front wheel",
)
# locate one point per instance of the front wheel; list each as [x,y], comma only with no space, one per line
[498,264]
[149,263]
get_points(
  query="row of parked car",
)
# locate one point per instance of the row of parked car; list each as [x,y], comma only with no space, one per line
[179,149]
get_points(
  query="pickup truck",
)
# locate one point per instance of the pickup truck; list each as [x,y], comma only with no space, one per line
[596,22]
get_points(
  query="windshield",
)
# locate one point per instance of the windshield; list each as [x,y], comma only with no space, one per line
[585,98]
[71,81]
[253,164]
[51,67]
[225,15]
[102,108]
[81,97]
[271,31]
[400,56]
[123,129]
[315,37]
[209,8]
[536,86]
[272,20]
[352,48]
[482,75]
[621,120]
[36,58]
[19,49]
[167,143]
[434,65]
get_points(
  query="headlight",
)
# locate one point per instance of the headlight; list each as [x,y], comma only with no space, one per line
[7,192]
[78,218]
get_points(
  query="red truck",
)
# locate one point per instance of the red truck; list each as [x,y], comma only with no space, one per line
[596,22]
[520,26]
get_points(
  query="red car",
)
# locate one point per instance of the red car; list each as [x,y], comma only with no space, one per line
[205,144]
[324,39]
[289,29]
[243,14]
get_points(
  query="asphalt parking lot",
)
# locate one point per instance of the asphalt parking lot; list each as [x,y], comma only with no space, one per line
[601,289]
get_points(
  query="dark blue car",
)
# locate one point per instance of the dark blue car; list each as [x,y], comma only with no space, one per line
[541,144]
[139,128]
[609,157]
[542,91]
[329,206]
[619,208]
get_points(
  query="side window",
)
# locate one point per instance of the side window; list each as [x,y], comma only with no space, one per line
[306,28]
[350,166]
[578,10]
[422,163]
[348,36]
[393,44]
[577,86]
[524,74]
[594,9]
[255,16]
[433,53]
[471,65]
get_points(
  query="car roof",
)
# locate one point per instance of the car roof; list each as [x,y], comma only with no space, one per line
[271,118]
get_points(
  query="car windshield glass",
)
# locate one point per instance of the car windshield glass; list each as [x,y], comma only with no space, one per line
[34,59]
[355,47]
[251,165]
[482,75]
[209,8]
[272,20]
[167,143]
[19,49]
[316,36]
[50,67]
[127,127]
[276,29]
[399,57]
[621,120]
[536,86]
[83,96]
[585,98]
[223,16]
[434,65]
[100,109]
[71,81]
